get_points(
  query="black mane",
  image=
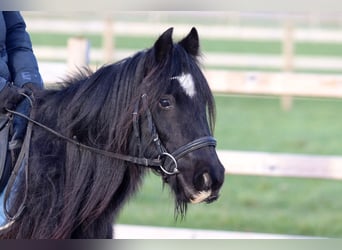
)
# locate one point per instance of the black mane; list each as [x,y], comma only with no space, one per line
[75,188]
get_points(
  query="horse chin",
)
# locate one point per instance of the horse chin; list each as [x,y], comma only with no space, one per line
[192,195]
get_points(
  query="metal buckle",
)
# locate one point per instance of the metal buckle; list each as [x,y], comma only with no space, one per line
[175,170]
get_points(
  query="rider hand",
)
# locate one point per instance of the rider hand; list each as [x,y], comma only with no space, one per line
[10,97]
[31,87]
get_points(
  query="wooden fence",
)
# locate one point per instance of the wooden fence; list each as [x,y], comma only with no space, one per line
[285,84]
[287,35]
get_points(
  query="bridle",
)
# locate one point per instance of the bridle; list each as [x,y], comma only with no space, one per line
[161,164]
[165,159]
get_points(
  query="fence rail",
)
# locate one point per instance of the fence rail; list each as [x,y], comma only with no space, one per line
[152,232]
[210,59]
[251,83]
[281,164]
[278,84]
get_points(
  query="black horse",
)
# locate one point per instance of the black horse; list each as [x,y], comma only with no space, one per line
[92,140]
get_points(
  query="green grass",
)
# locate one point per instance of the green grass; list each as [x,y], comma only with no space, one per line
[241,46]
[254,203]
[248,204]
[312,126]
[318,49]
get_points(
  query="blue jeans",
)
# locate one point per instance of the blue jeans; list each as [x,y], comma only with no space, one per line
[2,212]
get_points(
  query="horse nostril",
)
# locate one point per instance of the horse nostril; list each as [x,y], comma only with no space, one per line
[206,181]
[203,182]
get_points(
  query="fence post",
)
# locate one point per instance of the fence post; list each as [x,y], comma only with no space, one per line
[78,54]
[108,41]
[288,54]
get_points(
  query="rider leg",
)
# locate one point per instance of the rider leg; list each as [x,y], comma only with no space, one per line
[19,129]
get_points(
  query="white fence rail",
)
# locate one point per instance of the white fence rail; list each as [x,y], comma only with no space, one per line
[151,232]
[281,164]
[278,84]
[210,59]
[237,82]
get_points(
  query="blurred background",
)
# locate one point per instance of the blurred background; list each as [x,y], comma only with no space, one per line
[277,81]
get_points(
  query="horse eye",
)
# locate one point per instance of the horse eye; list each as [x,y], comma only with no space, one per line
[165,103]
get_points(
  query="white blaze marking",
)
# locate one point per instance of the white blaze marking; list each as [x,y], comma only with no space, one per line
[187,83]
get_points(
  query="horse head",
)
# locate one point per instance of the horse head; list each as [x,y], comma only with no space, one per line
[182,114]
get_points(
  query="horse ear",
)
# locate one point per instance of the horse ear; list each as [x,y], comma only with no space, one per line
[163,45]
[191,42]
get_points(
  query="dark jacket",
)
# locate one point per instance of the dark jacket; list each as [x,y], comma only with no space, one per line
[17,61]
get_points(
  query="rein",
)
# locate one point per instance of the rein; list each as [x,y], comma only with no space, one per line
[140,161]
